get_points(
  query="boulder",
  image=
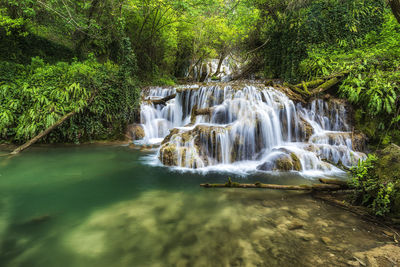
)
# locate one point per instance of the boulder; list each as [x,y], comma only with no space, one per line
[168,155]
[306,129]
[135,132]
[284,162]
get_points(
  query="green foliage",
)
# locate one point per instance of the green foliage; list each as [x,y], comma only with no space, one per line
[293,29]
[370,191]
[374,80]
[35,96]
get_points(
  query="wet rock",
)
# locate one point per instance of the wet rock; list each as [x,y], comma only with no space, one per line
[284,164]
[168,155]
[306,129]
[135,132]
[296,162]
[172,132]
[359,141]
[266,166]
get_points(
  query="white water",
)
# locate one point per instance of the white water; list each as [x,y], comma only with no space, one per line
[250,127]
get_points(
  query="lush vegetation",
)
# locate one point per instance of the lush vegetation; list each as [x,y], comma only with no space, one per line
[381,195]
[309,39]
[91,56]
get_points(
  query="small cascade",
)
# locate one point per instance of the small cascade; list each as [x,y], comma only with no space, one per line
[258,126]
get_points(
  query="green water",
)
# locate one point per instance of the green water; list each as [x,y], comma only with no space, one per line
[105,206]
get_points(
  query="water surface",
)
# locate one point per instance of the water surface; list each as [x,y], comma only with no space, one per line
[106,206]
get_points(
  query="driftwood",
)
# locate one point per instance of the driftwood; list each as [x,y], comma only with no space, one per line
[162,101]
[43,133]
[314,187]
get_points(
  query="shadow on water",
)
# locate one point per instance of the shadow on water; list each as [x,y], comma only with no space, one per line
[102,206]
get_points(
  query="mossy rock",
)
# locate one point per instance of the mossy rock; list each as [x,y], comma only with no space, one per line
[135,132]
[388,164]
[284,164]
[296,162]
[387,168]
[172,132]
[168,155]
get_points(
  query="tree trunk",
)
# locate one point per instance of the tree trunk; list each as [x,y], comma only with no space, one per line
[44,133]
[395,6]
[221,60]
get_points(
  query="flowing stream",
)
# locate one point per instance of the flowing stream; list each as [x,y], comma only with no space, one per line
[247,128]
[105,206]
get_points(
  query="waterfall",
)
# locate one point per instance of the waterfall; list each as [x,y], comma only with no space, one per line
[252,125]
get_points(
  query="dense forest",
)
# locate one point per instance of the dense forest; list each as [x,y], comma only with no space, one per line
[92,57]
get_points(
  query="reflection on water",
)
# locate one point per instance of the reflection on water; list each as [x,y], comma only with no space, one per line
[101,206]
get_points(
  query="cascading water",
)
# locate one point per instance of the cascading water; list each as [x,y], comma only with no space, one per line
[254,127]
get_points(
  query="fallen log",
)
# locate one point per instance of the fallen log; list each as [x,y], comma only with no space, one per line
[162,101]
[318,85]
[43,133]
[334,181]
[51,128]
[326,86]
[290,93]
[310,84]
[314,187]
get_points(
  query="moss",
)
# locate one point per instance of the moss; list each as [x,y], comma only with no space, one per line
[284,164]
[296,162]
[388,164]
[231,184]
[168,155]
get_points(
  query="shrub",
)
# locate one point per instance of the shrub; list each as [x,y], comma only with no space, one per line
[34,96]
[370,190]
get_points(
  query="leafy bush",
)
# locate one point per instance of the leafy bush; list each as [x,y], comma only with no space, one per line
[370,191]
[373,83]
[318,24]
[35,96]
